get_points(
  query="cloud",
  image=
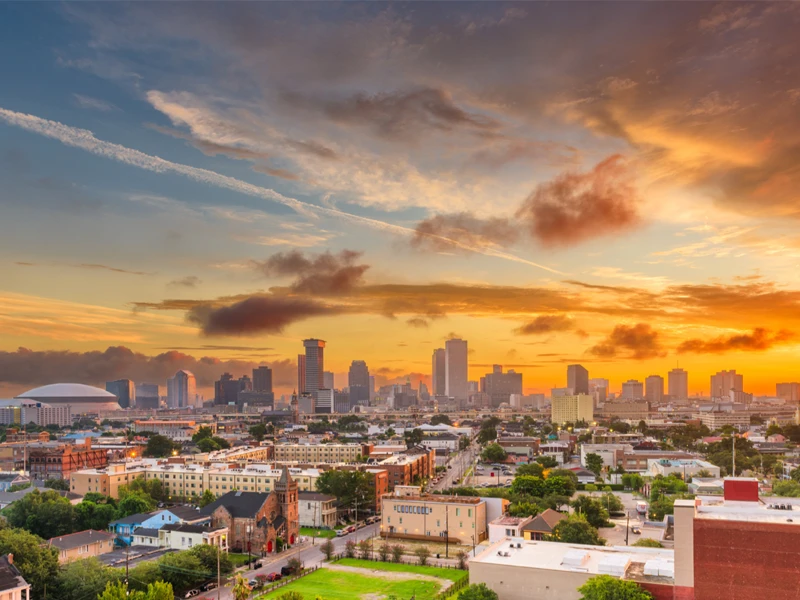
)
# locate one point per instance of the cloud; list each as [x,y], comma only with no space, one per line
[316,274]
[190,281]
[440,232]
[417,322]
[545,324]
[29,368]
[89,266]
[576,207]
[93,103]
[274,172]
[759,340]
[256,315]
[640,340]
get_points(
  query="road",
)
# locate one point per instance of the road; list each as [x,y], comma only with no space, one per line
[310,556]
[458,466]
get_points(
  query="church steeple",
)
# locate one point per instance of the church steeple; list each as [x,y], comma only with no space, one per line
[295,406]
[286,490]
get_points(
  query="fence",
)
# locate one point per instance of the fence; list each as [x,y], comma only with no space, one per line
[357,555]
[285,581]
[453,589]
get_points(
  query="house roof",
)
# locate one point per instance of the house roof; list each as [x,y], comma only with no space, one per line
[10,476]
[241,505]
[134,519]
[285,476]
[146,532]
[315,496]
[10,578]
[186,528]
[81,538]
[185,513]
[544,522]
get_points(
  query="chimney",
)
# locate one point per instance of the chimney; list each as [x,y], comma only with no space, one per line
[10,559]
[742,489]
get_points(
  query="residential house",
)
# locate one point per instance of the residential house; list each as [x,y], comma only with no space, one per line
[317,510]
[80,545]
[542,525]
[507,527]
[128,527]
[12,585]
[10,479]
[184,537]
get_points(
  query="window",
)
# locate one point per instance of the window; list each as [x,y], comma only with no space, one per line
[458,511]
[469,512]
[401,520]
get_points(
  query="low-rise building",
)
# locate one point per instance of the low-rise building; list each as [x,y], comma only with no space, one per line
[177,430]
[560,451]
[441,441]
[185,536]
[542,525]
[683,468]
[431,517]
[317,510]
[717,419]
[520,446]
[137,525]
[56,460]
[12,585]
[507,527]
[8,480]
[411,466]
[330,453]
[80,545]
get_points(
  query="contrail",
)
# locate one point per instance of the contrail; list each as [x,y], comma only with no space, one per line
[85,140]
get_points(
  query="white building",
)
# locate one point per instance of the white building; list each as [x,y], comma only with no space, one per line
[445,441]
[185,537]
[507,527]
[317,510]
[681,468]
[181,389]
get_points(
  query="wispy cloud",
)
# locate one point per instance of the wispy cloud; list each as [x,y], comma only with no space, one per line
[93,103]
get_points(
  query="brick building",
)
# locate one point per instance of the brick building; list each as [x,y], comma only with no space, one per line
[409,466]
[55,460]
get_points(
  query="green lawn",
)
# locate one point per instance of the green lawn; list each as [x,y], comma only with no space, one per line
[451,574]
[239,559]
[313,532]
[340,585]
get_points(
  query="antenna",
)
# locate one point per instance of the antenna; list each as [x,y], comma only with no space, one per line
[733,437]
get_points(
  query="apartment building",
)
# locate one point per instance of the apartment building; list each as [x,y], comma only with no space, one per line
[412,465]
[258,478]
[572,408]
[317,510]
[624,455]
[56,460]
[80,545]
[177,430]
[331,453]
[460,518]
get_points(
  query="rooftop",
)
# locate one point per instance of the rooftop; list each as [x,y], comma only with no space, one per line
[10,578]
[438,499]
[241,505]
[68,390]
[509,521]
[81,538]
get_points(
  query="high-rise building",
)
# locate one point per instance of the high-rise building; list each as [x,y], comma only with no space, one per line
[181,389]
[301,374]
[456,368]
[654,388]
[790,392]
[632,390]
[358,383]
[724,382]
[578,379]
[324,400]
[328,380]
[262,379]
[371,388]
[439,377]
[124,390]
[500,386]
[596,382]
[678,385]
[314,365]
[570,409]
[147,396]
[424,393]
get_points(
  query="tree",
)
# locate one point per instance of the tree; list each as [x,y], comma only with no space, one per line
[207,498]
[91,515]
[494,453]
[350,549]
[441,419]
[423,553]
[241,590]
[648,543]
[133,504]
[548,462]
[532,469]
[462,556]
[159,446]
[594,462]
[45,514]
[118,590]
[258,431]
[524,509]
[327,548]
[397,553]
[529,485]
[413,437]
[702,473]
[364,550]
[787,489]
[477,591]
[383,552]
[221,442]
[183,570]
[207,555]
[207,445]
[204,432]
[555,502]
[606,587]
[612,503]
[590,487]
[559,486]
[347,486]
[82,579]
[632,481]
[36,563]
[292,596]
[575,529]
[57,484]
[592,510]
[463,442]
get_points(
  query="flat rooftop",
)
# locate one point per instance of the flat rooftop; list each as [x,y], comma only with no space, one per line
[436,499]
[655,565]
[773,509]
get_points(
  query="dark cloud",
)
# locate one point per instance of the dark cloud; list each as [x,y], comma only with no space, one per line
[442,232]
[403,115]
[325,273]
[256,315]
[417,322]
[211,148]
[28,368]
[90,266]
[190,281]
[313,148]
[576,207]
[638,341]
[759,340]
[282,173]
[545,324]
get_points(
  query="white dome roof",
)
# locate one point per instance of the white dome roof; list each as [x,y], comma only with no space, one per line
[68,390]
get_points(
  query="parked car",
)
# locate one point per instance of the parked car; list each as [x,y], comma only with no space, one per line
[352,529]
[341,532]
[191,593]
[253,583]
[287,570]
[211,585]
[274,577]
[636,530]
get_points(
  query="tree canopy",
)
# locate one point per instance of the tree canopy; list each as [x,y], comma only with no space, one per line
[477,591]
[606,587]
[494,453]
[575,529]
[347,486]
[159,446]
[36,563]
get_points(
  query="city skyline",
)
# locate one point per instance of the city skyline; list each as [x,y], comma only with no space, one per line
[626,202]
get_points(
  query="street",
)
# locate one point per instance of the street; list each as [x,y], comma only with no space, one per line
[458,467]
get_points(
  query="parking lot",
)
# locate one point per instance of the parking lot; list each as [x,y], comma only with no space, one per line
[491,476]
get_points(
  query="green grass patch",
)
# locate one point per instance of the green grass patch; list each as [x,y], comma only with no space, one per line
[340,585]
[239,559]
[313,532]
[451,574]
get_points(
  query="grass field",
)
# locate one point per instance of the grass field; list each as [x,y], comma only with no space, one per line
[238,559]
[451,574]
[312,532]
[340,585]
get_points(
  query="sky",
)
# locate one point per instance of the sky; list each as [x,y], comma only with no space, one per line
[204,185]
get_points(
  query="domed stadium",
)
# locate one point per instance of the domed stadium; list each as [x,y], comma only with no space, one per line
[84,399]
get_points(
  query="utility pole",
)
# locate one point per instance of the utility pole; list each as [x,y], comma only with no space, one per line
[627,525]
[733,439]
[446,531]
[314,539]
[219,576]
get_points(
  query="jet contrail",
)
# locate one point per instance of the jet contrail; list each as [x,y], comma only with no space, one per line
[85,140]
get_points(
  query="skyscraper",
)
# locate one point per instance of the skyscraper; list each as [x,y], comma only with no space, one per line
[358,382]
[790,392]
[678,385]
[147,395]
[314,365]
[262,379]
[456,368]
[500,386]
[632,390]
[328,380]
[654,388]
[578,379]
[438,377]
[181,389]
[301,374]
[723,382]
[124,390]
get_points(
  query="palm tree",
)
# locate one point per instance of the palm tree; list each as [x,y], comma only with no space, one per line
[241,591]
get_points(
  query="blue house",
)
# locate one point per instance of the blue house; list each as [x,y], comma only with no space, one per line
[176,515]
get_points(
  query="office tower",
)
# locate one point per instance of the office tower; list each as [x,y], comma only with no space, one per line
[572,408]
[314,365]
[358,381]
[124,390]
[424,394]
[596,382]
[456,368]
[262,379]
[578,379]
[560,392]
[654,388]
[226,390]
[790,392]
[632,390]
[724,382]
[301,374]
[678,385]
[328,380]
[324,400]
[147,395]
[371,388]
[500,386]
[438,379]
[341,402]
[181,389]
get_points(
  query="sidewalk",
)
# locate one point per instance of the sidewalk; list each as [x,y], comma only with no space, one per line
[273,558]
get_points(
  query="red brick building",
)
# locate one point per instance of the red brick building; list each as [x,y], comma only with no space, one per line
[54,460]
[407,467]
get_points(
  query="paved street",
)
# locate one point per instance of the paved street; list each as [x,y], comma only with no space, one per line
[459,464]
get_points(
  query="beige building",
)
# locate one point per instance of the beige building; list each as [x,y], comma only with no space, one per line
[179,430]
[259,478]
[185,536]
[329,453]
[12,585]
[317,510]
[80,545]
[105,481]
[429,516]
[569,409]
[717,419]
